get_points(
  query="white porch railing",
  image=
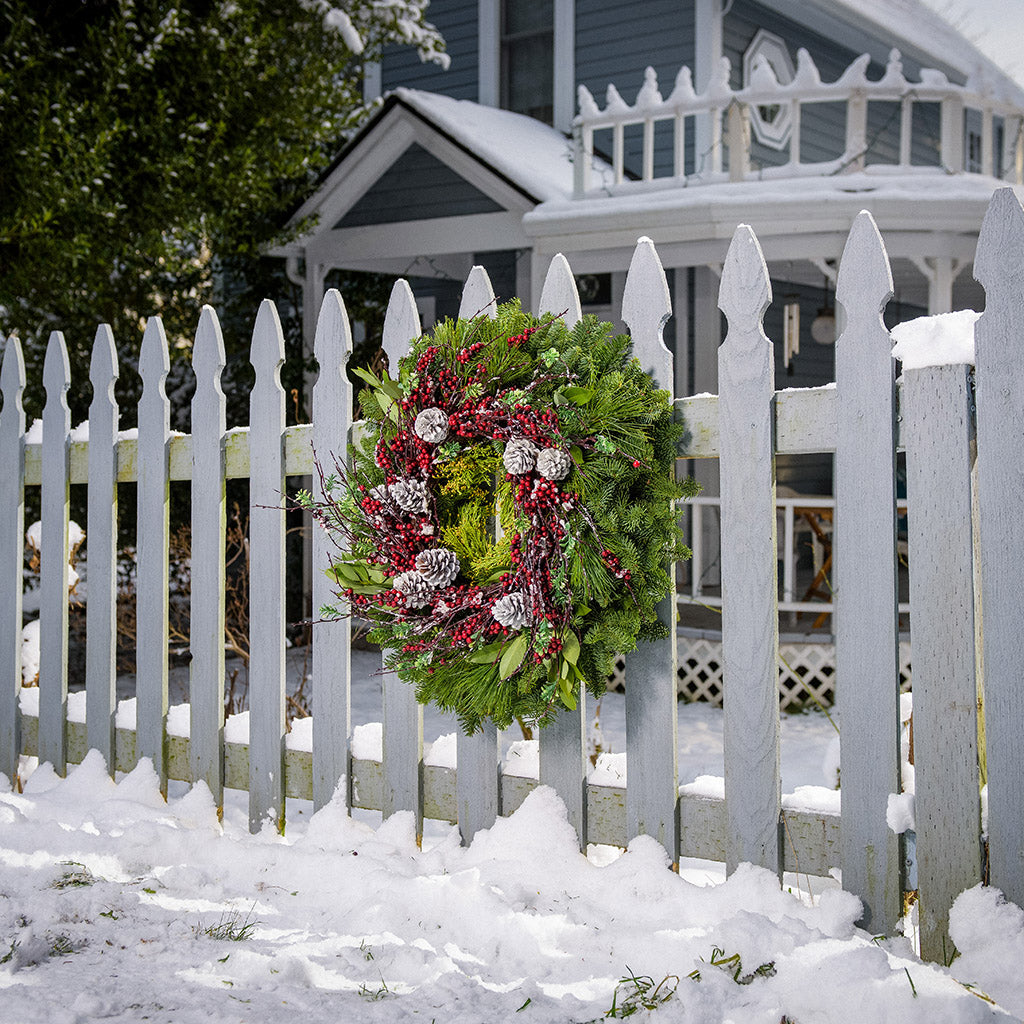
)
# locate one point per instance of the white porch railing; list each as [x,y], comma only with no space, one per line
[720,101]
[802,522]
[962,436]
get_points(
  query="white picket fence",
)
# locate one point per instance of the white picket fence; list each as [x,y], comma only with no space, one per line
[955,570]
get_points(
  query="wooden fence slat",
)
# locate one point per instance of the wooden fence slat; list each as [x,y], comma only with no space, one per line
[477,755]
[152,564]
[999,377]
[266,574]
[209,524]
[53,568]
[101,531]
[563,744]
[938,423]
[559,295]
[652,791]
[403,714]
[866,615]
[477,295]
[12,551]
[332,641]
[750,623]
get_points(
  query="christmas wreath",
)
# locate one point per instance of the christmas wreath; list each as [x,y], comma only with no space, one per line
[508,515]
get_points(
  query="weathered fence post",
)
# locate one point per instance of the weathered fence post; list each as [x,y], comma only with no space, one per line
[563,743]
[477,783]
[999,374]
[209,522]
[152,568]
[266,574]
[332,641]
[101,531]
[866,616]
[403,714]
[652,790]
[750,621]
[12,552]
[938,431]
[53,567]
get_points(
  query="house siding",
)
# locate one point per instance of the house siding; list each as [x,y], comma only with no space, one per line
[615,46]
[416,186]
[456,20]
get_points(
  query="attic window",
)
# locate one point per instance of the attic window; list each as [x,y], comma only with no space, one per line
[527,58]
[771,124]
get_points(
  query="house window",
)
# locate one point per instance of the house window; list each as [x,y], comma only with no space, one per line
[527,57]
[771,123]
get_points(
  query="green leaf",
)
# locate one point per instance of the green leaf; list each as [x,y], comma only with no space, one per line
[390,388]
[578,395]
[513,656]
[366,375]
[387,405]
[486,655]
[570,647]
[566,688]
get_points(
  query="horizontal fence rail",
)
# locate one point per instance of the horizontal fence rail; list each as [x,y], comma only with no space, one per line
[964,473]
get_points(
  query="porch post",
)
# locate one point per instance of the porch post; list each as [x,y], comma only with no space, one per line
[706,57]
[707,336]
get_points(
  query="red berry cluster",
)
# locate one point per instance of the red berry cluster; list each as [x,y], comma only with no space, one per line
[613,563]
[517,339]
[466,354]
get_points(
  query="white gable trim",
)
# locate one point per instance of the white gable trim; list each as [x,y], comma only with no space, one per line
[385,142]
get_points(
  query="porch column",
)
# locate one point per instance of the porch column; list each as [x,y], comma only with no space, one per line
[940,272]
[706,57]
[707,336]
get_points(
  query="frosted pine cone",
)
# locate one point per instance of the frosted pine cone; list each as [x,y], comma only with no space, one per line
[432,425]
[380,493]
[520,456]
[438,566]
[409,494]
[554,464]
[511,611]
[416,590]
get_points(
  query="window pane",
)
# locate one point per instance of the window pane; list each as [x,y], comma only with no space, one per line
[528,16]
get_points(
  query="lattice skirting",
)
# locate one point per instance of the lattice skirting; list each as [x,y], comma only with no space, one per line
[806,670]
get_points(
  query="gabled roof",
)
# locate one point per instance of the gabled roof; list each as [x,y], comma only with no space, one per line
[514,160]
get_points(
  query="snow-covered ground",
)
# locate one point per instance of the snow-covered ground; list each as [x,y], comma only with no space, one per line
[115,905]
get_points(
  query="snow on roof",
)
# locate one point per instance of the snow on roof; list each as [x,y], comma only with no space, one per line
[809,196]
[531,154]
[920,25]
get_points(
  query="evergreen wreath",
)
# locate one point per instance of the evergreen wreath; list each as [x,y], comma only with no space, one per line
[509,513]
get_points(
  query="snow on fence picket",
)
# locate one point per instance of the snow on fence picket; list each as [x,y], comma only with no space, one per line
[744,427]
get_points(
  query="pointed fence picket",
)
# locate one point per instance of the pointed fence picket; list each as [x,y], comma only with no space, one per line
[750,621]
[745,427]
[266,574]
[332,641]
[12,552]
[866,615]
[402,714]
[209,521]
[652,793]
[477,785]
[101,530]
[563,744]
[53,561]
[999,372]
